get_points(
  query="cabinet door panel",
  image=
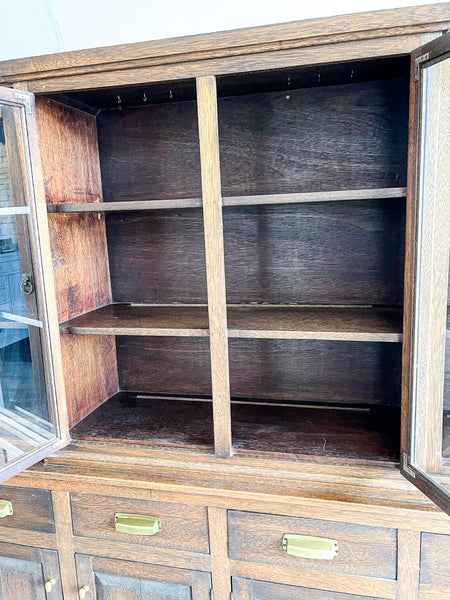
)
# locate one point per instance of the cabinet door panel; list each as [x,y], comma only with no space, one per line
[24,571]
[33,416]
[427,303]
[110,579]
[247,589]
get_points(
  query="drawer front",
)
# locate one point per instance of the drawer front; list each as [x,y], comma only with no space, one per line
[32,509]
[434,566]
[247,589]
[363,551]
[183,527]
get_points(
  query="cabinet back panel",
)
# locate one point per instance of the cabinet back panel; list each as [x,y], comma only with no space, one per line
[287,370]
[150,153]
[157,256]
[327,253]
[323,138]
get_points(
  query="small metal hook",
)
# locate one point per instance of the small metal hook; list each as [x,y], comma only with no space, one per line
[145,97]
[119,102]
[170,94]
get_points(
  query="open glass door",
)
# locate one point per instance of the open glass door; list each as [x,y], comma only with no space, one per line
[426,439]
[32,405]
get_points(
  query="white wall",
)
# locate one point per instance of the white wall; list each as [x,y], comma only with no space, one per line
[32,27]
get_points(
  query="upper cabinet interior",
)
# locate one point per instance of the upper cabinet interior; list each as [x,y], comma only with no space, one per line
[313,167]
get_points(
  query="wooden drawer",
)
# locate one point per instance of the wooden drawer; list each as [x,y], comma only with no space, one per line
[363,551]
[183,527]
[33,509]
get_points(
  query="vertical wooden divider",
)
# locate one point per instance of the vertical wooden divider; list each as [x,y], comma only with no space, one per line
[408,564]
[64,540]
[215,261]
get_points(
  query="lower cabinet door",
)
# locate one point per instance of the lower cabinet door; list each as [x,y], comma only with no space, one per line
[29,573]
[248,589]
[111,579]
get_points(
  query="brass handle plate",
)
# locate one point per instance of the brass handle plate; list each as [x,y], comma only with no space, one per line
[83,591]
[307,546]
[137,524]
[6,508]
[50,584]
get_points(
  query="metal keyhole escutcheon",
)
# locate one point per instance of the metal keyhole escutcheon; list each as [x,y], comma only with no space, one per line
[27,283]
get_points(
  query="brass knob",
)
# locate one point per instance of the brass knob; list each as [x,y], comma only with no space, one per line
[83,591]
[49,584]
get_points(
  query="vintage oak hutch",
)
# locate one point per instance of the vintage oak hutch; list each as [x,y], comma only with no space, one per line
[233,256]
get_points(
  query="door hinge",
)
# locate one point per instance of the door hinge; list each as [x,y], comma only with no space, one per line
[25,97]
[419,61]
[406,467]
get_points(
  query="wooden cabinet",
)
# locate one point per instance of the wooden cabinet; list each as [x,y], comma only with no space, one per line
[29,573]
[243,261]
[105,579]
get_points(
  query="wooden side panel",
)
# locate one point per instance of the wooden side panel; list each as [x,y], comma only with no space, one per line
[68,140]
[90,372]
[150,153]
[315,139]
[69,151]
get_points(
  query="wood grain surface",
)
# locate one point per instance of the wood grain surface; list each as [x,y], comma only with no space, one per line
[184,527]
[364,551]
[293,370]
[258,429]
[167,252]
[150,153]
[315,139]
[247,589]
[251,321]
[306,253]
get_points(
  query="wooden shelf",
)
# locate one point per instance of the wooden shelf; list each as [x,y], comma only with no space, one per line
[307,197]
[363,434]
[332,196]
[251,321]
[137,319]
[125,206]
[316,323]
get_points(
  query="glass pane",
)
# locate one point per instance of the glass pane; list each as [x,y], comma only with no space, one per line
[24,411]
[15,261]
[431,426]
[12,191]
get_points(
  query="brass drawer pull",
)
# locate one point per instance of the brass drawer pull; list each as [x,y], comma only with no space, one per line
[137,524]
[6,508]
[307,546]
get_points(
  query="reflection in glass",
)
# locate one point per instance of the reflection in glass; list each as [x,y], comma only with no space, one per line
[12,190]
[24,411]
